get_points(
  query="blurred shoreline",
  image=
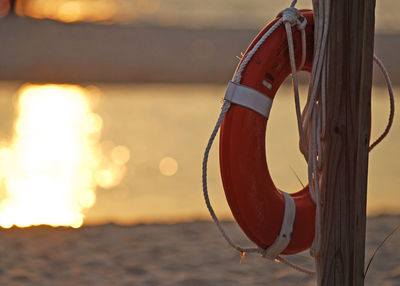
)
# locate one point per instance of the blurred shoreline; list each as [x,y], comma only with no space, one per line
[50,51]
[393,218]
[187,220]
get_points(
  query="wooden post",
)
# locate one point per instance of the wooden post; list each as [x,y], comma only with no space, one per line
[345,167]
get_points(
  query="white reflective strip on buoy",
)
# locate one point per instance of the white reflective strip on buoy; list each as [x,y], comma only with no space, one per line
[285,235]
[267,84]
[249,98]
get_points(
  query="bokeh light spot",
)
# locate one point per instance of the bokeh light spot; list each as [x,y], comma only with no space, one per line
[120,155]
[104,178]
[168,166]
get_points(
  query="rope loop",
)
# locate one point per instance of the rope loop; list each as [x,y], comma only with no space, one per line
[293,16]
[301,23]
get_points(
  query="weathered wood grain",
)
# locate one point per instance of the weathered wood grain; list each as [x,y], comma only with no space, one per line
[345,168]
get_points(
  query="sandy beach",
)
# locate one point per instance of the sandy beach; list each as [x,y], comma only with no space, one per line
[184,254]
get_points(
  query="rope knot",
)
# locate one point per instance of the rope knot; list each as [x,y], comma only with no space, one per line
[293,16]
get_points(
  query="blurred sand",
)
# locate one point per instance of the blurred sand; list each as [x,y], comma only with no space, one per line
[185,254]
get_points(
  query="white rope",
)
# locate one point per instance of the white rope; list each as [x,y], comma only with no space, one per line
[311,122]
[391,96]
[238,76]
[313,115]
[291,16]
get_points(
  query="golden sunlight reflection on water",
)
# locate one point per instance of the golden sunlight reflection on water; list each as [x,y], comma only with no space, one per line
[160,132]
[68,11]
[50,170]
[103,11]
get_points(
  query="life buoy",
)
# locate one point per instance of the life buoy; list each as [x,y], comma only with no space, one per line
[255,202]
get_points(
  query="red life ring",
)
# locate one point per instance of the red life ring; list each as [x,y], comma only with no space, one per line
[256,204]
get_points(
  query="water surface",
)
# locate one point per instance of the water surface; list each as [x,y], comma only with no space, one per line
[166,128]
